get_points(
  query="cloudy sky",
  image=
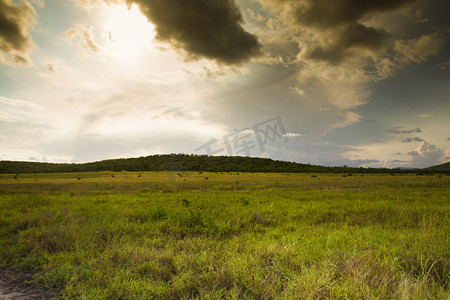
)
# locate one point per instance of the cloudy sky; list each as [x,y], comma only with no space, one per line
[329,82]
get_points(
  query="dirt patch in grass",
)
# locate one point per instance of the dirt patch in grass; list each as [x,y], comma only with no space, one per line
[16,285]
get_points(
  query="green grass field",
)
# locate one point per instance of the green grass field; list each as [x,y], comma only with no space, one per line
[169,235]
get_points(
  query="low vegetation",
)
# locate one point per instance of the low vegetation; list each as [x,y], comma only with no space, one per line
[184,235]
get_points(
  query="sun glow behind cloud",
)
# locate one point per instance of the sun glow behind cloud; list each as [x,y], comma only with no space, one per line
[126,31]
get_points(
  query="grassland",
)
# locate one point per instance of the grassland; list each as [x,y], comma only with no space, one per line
[169,235]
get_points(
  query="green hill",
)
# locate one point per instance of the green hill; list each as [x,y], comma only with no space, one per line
[440,168]
[180,162]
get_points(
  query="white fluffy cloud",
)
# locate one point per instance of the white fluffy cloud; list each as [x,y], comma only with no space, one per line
[426,155]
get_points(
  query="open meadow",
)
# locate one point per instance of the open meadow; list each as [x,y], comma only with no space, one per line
[184,235]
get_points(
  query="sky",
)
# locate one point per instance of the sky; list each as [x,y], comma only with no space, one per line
[327,82]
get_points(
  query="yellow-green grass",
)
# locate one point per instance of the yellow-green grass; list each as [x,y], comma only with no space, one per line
[183,235]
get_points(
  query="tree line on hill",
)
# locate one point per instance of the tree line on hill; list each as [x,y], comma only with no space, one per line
[184,162]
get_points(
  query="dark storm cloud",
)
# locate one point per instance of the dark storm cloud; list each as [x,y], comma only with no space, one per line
[15,21]
[399,131]
[356,36]
[204,28]
[324,14]
[412,139]
[340,24]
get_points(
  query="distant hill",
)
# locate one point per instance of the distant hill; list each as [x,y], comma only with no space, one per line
[180,162]
[440,168]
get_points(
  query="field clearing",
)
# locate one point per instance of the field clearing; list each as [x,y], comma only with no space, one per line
[183,235]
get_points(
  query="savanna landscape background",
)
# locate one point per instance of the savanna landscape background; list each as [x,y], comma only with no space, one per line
[221,235]
[312,138]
